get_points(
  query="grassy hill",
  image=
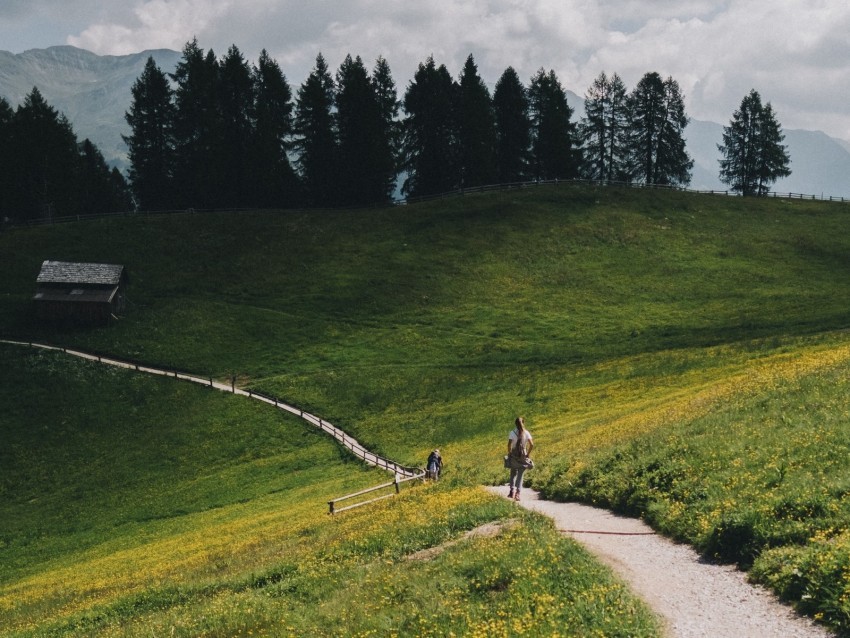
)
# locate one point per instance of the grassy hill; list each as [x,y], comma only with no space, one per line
[635,330]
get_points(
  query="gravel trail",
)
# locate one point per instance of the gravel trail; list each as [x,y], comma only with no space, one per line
[695,599]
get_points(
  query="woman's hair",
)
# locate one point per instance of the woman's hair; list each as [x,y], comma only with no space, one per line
[520,423]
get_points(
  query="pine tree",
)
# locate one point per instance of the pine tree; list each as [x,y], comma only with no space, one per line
[316,140]
[657,116]
[7,161]
[99,188]
[151,140]
[198,129]
[388,102]
[753,154]
[554,153]
[774,160]
[430,142]
[604,129]
[674,164]
[476,128]
[44,149]
[275,182]
[366,163]
[513,128]
[236,104]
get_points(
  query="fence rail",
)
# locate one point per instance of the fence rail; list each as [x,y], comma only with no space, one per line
[349,442]
[333,509]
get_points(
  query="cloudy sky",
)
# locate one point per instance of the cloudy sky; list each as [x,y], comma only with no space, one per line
[796,53]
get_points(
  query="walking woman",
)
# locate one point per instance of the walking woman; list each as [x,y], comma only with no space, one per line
[520,445]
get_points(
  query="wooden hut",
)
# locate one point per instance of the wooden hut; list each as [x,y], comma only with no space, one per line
[77,292]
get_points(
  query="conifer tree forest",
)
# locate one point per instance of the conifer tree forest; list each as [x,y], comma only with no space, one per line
[224,133]
[45,171]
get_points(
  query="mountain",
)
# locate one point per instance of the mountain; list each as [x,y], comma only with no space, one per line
[93,92]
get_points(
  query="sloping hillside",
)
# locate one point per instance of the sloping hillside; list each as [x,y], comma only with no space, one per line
[615,320]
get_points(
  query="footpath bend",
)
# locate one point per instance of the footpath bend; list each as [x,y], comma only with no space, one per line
[694,598]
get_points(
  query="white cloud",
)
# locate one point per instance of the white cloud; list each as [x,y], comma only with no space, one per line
[155,24]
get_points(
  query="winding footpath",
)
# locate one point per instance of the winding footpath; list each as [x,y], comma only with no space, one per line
[695,599]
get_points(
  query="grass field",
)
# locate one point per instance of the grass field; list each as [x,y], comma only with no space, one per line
[678,356]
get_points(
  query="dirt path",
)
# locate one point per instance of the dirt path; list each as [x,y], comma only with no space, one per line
[694,598]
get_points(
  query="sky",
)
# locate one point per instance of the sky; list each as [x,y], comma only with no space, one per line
[796,54]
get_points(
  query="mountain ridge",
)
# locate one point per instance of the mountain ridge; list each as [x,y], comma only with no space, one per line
[94,92]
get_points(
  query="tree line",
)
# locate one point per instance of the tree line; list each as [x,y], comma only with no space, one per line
[222,133]
[46,171]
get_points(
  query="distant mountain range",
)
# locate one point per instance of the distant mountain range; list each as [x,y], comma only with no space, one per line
[94,93]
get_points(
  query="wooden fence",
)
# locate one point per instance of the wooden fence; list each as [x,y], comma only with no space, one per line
[333,509]
[350,443]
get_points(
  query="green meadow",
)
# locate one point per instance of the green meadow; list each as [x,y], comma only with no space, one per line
[679,357]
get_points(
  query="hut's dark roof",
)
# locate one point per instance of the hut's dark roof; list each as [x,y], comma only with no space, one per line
[66,272]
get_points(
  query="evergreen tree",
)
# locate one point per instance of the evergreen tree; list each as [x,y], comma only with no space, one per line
[198,129]
[554,155]
[430,142]
[7,161]
[50,173]
[657,143]
[100,190]
[513,128]
[674,164]
[388,102]
[151,140]
[316,140]
[476,129]
[275,182]
[366,164]
[236,104]
[604,129]
[44,149]
[753,154]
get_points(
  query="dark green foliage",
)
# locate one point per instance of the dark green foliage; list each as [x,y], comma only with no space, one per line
[45,151]
[236,103]
[658,121]
[366,162]
[604,130]
[151,141]
[47,172]
[476,128]
[198,129]
[101,189]
[274,181]
[316,136]
[388,102]
[431,132]
[7,177]
[554,155]
[513,128]
[753,154]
